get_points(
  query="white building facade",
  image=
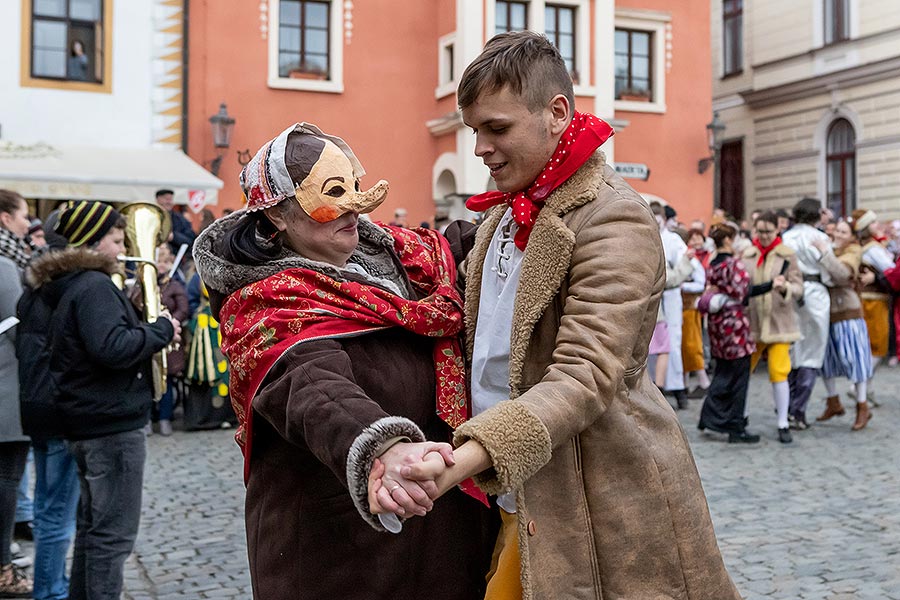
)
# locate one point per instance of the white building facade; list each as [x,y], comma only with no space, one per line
[92,105]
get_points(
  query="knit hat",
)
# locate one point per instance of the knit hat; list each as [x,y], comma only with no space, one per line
[35,226]
[84,223]
[861,218]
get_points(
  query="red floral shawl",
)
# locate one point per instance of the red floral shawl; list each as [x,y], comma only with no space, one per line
[263,320]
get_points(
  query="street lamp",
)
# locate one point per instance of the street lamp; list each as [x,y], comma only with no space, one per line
[222,124]
[715,130]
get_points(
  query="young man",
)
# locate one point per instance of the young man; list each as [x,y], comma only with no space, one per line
[595,480]
[99,359]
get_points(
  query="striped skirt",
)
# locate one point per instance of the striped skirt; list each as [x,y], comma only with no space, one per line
[848,353]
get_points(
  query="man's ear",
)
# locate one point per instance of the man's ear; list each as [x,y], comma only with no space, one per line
[560,114]
[276,217]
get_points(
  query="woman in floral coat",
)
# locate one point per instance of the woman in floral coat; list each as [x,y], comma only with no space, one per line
[731,342]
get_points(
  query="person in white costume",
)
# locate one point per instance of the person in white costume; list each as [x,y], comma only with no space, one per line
[808,353]
[678,270]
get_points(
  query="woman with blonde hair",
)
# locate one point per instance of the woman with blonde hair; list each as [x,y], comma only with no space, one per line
[848,353]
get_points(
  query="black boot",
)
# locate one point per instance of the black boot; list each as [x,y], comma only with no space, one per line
[784,436]
[681,399]
[743,437]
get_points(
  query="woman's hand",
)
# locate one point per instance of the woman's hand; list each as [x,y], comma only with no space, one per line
[867,277]
[779,283]
[389,491]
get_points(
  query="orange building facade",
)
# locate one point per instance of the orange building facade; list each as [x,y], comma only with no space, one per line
[382,74]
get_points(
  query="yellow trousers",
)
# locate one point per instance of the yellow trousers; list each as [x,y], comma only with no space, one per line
[877,316]
[779,360]
[692,340]
[503,580]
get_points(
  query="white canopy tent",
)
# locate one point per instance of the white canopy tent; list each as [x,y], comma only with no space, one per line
[49,172]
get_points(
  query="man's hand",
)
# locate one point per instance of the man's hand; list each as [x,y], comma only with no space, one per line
[176,326]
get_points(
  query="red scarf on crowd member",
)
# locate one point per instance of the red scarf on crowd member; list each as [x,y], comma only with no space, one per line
[764,252]
[584,135]
[263,320]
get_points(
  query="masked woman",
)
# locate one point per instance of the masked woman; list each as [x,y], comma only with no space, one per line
[343,341]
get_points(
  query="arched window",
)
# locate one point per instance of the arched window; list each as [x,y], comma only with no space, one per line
[840,167]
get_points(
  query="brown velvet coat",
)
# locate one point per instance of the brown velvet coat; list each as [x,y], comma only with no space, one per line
[844,268]
[610,503]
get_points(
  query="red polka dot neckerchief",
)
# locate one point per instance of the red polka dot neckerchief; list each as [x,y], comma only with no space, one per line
[584,135]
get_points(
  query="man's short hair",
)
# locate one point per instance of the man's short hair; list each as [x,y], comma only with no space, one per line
[807,211]
[525,61]
[768,217]
[163,192]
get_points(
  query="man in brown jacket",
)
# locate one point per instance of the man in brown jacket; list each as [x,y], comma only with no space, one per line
[596,484]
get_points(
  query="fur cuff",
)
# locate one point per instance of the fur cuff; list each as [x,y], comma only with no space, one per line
[517,441]
[364,450]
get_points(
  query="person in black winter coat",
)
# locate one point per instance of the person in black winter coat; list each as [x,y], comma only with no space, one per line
[97,353]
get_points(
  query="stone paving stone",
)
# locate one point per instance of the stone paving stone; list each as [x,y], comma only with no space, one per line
[816,520]
[821,515]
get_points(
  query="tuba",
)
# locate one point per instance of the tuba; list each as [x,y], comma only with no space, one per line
[146,227]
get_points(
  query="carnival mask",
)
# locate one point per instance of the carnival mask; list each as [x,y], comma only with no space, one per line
[317,169]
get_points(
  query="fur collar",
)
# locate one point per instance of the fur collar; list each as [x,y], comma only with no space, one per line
[53,264]
[227,277]
[545,263]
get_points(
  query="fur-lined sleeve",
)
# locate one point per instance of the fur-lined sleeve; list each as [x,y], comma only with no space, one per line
[312,400]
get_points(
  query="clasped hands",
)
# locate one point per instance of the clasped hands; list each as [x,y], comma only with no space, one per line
[409,477]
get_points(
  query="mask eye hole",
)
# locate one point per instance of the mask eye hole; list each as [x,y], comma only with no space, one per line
[335,192]
[356,185]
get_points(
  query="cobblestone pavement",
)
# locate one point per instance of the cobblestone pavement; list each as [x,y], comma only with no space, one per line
[817,519]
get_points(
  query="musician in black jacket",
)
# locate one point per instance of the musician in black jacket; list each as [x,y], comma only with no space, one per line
[97,355]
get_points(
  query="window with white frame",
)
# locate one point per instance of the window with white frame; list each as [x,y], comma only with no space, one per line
[446,66]
[640,60]
[305,46]
[559,26]
[565,22]
[511,16]
[634,77]
[837,20]
[732,36]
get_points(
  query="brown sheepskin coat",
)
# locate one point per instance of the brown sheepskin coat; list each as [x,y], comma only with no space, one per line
[773,316]
[610,503]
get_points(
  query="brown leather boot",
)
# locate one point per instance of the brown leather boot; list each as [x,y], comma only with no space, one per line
[862,415]
[832,409]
